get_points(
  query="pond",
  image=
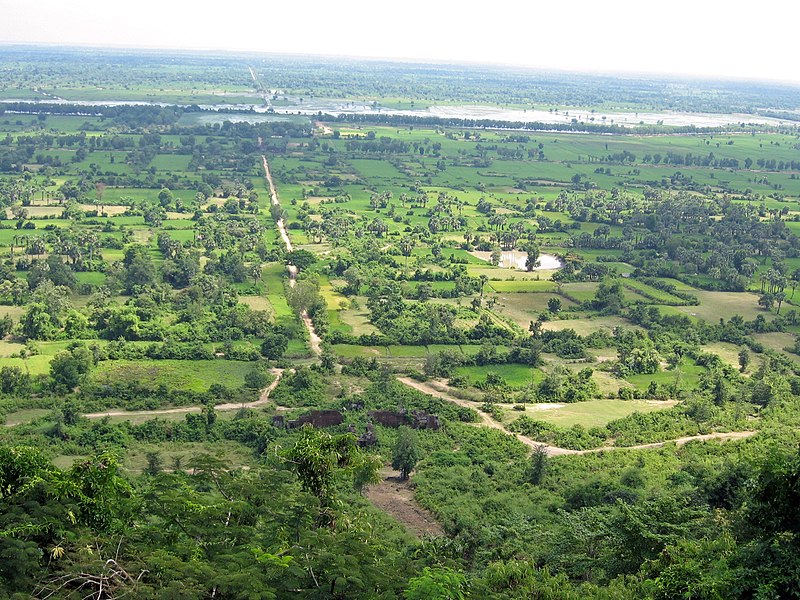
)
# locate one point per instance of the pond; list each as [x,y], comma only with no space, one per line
[515,259]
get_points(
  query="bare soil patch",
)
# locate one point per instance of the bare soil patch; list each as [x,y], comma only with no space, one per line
[396,498]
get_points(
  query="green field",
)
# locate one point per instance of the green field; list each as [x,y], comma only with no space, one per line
[189,375]
[594,413]
[588,325]
[523,308]
[523,286]
[721,305]
[686,376]
[516,376]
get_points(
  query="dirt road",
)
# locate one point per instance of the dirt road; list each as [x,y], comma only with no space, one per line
[263,399]
[273,194]
[396,498]
[315,340]
[488,421]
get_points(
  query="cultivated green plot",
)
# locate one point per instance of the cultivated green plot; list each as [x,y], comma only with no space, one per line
[686,376]
[189,375]
[593,413]
[523,308]
[589,325]
[514,375]
[722,305]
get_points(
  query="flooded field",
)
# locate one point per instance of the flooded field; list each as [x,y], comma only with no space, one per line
[334,107]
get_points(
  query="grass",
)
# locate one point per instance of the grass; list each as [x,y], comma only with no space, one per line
[357,320]
[679,285]
[189,375]
[15,312]
[495,273]
[273,279]
[351,350]
[26,416]
[651,293]
[594,413]
[65,461]
[776,341]
[525,285]
[257,303]
[9,348]
[688,373]
[39,364]
[434,348]
[587,326]
[231,453]
[91,277]
[298,349]
[722,305]
[135,419]
[516,376]
[729,353]
[408,351]
[580,291]
[523,308]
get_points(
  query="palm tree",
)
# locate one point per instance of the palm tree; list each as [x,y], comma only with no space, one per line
[779,298]
[483,279]
[406,247]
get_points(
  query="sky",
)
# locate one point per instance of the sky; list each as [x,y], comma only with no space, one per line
[706,38]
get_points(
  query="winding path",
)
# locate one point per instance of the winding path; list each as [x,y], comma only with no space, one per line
[262,399]
[316,341]
[488,421]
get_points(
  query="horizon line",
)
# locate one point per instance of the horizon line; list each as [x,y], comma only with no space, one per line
[620,74]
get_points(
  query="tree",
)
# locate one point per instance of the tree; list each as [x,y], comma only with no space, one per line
[274,345]
[154,215]
[436,584]
[538,464]
[407,244]
[495,256]
[37,323]
[779,298]
[554,305]
[69,367]
[14,381]
[304,296]
[257,379]
[154,463]
[766,301]
[484,280]
[608,297]
[139,268]
[165,197]
[532,259]
[404,452]
[302,259]
[317,457]
[352,275]
[744,359]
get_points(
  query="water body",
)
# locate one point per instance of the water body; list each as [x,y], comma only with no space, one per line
[515,259]
[463,111]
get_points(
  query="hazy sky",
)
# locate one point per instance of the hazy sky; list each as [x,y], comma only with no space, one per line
[698,37]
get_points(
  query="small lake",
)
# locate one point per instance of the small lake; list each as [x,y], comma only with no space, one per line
[515,259]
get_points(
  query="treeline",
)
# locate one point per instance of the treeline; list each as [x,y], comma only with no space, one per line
[166,118]
[395,120]
[128,115]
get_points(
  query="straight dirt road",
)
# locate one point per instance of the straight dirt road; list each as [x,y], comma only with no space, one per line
[316,341]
